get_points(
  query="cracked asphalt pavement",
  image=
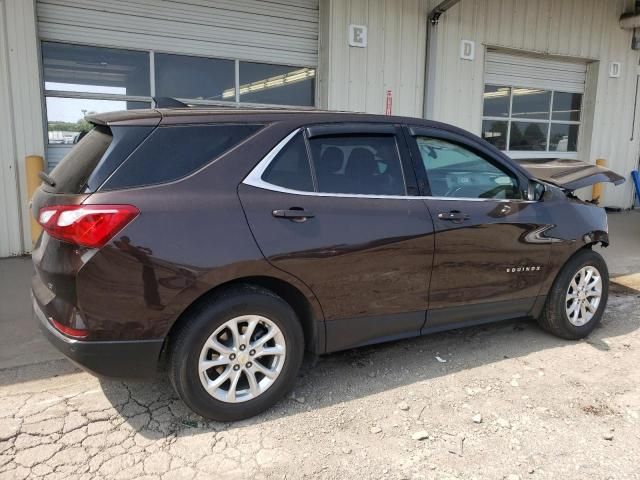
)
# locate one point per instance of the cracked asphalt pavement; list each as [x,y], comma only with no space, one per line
[502,401]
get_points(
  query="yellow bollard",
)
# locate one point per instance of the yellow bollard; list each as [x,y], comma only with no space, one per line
[34,165]
[596,192]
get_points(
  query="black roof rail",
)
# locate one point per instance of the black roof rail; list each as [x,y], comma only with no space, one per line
[168,102]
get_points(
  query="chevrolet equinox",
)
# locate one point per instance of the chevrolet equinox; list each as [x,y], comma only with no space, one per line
[221,244]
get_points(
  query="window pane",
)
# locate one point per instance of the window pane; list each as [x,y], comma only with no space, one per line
[495,132]
[564,138]
[531,103]
[181,76]
[173,152]
[358,165]
[454,171]
[277,84]
[566,106]
[496,101]
[72,173]
[290,169]
[65,116]
[528,136]
[95,70]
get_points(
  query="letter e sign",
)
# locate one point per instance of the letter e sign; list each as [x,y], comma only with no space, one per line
[358,36]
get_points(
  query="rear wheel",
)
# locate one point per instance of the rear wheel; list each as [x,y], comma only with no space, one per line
[577,300]
[237,354]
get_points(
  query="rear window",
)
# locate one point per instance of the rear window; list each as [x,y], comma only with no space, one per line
[173,152]
[72,173]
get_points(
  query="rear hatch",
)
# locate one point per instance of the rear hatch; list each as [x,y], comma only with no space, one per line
[57,260]
[570,174]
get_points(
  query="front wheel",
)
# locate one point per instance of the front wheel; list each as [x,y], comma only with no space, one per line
[577,300]
[237,354]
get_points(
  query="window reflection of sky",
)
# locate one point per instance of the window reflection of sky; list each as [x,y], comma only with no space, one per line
[74,109]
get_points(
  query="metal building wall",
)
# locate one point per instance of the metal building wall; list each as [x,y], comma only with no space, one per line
[21,131]
[357,79]
[586,29]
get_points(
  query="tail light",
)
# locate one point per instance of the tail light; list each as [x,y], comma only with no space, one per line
[87,225]
[68,331]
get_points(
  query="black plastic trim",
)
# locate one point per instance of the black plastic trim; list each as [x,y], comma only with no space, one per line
[356,332]
[477,313]
[122,359]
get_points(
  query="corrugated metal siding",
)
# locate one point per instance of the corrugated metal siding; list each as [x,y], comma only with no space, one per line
[534,71]
[21,131]
[584,29]
[357,78]
[10,241]
[284,32]
[55,153]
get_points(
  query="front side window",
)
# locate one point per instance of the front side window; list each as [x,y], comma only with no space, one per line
[531,120]
[456,172]
[361,165]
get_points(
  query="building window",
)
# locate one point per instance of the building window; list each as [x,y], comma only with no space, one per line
[531,122]
[81,80]
[197,78]
[276,84]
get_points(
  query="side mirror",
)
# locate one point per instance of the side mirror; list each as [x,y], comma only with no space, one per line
[535,191]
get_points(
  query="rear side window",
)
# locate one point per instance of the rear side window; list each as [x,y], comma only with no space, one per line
[173,152]
[358,164]
[72,173]
[290,169]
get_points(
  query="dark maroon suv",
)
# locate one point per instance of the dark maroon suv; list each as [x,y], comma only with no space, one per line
[223,243]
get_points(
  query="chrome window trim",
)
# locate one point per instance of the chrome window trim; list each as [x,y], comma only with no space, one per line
[254,179]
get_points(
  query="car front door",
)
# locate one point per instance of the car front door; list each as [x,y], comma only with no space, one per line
[491,252]
[337,206]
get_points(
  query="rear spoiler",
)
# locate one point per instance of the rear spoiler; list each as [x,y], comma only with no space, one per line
[570,174]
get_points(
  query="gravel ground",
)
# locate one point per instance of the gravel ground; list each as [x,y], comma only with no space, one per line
[500,401]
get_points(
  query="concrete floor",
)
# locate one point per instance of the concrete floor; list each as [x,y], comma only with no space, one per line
[623,255]
[21,343]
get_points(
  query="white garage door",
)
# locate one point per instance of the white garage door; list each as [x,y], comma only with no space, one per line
[534,72]
[282,31]
[533,104]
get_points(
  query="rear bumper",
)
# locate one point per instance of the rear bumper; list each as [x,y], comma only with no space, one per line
[124,359]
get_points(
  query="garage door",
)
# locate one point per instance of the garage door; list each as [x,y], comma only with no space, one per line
[533,104]
[282,31]
[534,72]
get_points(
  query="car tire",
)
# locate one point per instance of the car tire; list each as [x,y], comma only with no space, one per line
[194,345]
[563,314]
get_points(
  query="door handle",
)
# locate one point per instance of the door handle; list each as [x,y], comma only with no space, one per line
[454,216]
[295,214]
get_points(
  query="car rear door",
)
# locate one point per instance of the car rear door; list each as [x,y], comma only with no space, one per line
[336,206]
[491,251]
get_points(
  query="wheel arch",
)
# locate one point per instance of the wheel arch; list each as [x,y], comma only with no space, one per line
[307,313]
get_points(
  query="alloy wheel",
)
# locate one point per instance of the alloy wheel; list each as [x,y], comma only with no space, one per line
[583,296]
[242,358]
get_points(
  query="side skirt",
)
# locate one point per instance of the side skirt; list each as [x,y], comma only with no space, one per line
[477,313]
[357,332]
